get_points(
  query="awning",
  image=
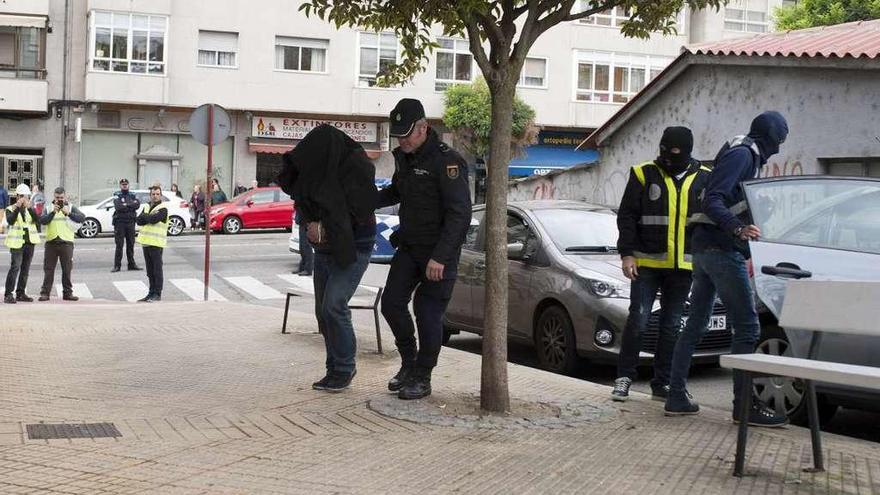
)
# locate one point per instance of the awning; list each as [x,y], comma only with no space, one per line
[540,160]
[283,146]
[23,21]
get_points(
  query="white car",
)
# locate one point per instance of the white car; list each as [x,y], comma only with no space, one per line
[99,217]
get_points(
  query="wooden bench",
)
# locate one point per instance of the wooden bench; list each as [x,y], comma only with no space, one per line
[819,307]
[357,302]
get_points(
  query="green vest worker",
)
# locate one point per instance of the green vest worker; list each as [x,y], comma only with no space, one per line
[153,235]
[655,223]
[58,217]
[21,236]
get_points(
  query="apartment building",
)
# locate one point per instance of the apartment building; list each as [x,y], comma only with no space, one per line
[95,90]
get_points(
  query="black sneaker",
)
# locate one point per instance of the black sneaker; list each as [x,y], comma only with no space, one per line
[322,383]
[661,392]
[761,415]
[620,393]
[680,405]
[9,299]
[396,383]
[417,386]
[24,298]
[339,382]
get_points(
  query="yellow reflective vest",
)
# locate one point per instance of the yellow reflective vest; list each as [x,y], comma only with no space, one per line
[59,228]
[15,232]
[154,234]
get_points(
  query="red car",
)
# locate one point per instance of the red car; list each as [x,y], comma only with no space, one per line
[260,208]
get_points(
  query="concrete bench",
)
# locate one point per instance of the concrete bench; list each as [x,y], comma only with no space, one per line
[819,307]
[369,302]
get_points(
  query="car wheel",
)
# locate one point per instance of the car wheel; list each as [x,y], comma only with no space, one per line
[89,228]
[231,225]
[554,341]
[786,395]
[176,225]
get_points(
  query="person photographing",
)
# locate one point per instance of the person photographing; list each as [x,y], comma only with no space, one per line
[21,237]
[153,220]
[58,219]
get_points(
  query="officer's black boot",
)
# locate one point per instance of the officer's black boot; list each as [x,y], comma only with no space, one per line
[417,386]
[399,379]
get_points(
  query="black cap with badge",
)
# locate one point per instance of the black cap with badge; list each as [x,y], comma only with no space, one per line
[123,181]
[405,115]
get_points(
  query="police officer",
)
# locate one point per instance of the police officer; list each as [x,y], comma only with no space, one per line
[59,244]
[430,183]
[153,220]
[126,205]
[658,204]
[21,236]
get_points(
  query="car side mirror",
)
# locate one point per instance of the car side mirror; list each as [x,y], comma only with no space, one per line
[516,251]
[250,203]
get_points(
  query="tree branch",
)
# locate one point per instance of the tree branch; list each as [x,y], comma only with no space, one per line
[475,42]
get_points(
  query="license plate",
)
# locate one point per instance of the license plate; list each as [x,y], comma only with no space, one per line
[718,323]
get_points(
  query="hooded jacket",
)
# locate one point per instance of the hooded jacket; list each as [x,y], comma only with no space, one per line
[724,202]
[333,181]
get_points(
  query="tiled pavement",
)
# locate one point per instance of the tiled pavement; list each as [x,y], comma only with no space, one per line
[211,398]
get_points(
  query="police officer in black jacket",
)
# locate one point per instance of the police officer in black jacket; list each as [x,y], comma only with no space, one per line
[126,205]
[430,183]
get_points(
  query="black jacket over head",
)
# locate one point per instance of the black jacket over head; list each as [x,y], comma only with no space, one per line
[333,181]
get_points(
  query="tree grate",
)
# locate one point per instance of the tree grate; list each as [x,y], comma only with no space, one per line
[48,431]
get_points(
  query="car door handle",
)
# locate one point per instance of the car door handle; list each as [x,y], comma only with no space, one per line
[786,270]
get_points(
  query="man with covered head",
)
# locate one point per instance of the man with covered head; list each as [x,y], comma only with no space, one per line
[655,250]
[721,249]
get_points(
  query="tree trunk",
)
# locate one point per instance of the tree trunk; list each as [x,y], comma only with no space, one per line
[494,394]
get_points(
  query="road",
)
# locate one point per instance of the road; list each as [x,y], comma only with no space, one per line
[255,267]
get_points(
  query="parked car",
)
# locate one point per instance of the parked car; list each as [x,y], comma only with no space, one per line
[825,228]
[259,208]
[99,216]
[567,295]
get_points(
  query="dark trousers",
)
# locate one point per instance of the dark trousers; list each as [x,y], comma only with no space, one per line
[153,260]
[124,234]
[674,286]
[306,255]
[334,287]
[57,251]
[19,269]
[407,274]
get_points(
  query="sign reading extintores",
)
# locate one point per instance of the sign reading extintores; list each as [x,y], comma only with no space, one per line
[291,128]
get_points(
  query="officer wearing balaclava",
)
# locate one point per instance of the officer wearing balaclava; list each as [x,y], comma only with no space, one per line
[654,244]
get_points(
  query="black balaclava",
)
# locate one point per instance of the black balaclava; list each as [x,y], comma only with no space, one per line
[769,130]
[675,137]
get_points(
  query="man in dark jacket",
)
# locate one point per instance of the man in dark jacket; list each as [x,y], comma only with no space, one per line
[720,253]
[654,244]
[333,182]
[59,244]
[126,207]
[430,183]
[4,197]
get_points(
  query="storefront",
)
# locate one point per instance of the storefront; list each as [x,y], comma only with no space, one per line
[555,150]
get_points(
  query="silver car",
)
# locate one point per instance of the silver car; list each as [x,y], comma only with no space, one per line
[824,228]
[567,295]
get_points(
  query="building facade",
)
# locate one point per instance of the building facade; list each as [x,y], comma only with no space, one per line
[96,90]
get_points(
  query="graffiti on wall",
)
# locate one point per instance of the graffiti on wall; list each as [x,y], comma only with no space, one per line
[787,168]
[543,189]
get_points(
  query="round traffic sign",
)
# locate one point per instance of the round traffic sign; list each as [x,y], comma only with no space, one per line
[198,124]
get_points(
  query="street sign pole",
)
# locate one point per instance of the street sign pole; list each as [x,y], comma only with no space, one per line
[210,188]
[209,124]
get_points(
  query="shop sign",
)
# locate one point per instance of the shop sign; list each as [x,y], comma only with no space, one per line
[293,128]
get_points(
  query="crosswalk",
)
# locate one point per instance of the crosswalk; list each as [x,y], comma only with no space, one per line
[262,288]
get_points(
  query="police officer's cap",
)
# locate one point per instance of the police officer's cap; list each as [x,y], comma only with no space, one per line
[123,181]
[405,115]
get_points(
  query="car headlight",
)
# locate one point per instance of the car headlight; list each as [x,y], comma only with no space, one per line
[603,286]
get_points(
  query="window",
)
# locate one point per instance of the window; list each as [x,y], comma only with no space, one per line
[22,52]
[747,16]
[454,63]
[377,51]
[614,77]
[612,17]
[534,73]
[301,54]
[262,197]
[855,168]
[218,49]
[125,42]
[472,241]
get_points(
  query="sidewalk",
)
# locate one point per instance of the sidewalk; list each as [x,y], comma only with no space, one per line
[211,398]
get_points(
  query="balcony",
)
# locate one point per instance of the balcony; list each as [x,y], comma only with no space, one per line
[24,95]
[26,7]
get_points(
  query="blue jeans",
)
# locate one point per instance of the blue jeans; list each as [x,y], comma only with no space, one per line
[334,287]
[674,286]
[724,273]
